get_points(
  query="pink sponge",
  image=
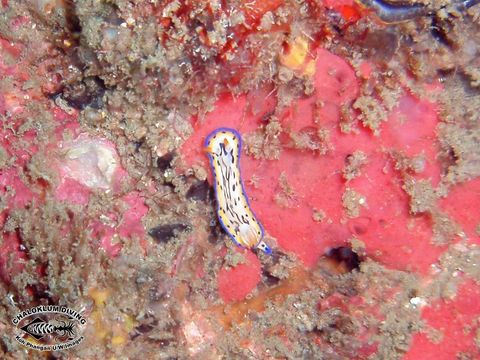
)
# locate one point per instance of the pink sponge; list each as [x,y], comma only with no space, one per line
[451,327]
[236,283]
[316,184]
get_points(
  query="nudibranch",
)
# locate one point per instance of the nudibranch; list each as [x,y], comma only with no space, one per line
[224,147]
[394,13]
[397,12]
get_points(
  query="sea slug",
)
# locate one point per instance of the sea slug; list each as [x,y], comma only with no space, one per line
[394,13]
[223,147]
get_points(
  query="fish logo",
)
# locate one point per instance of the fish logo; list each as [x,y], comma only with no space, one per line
[49,328]
[39,328]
